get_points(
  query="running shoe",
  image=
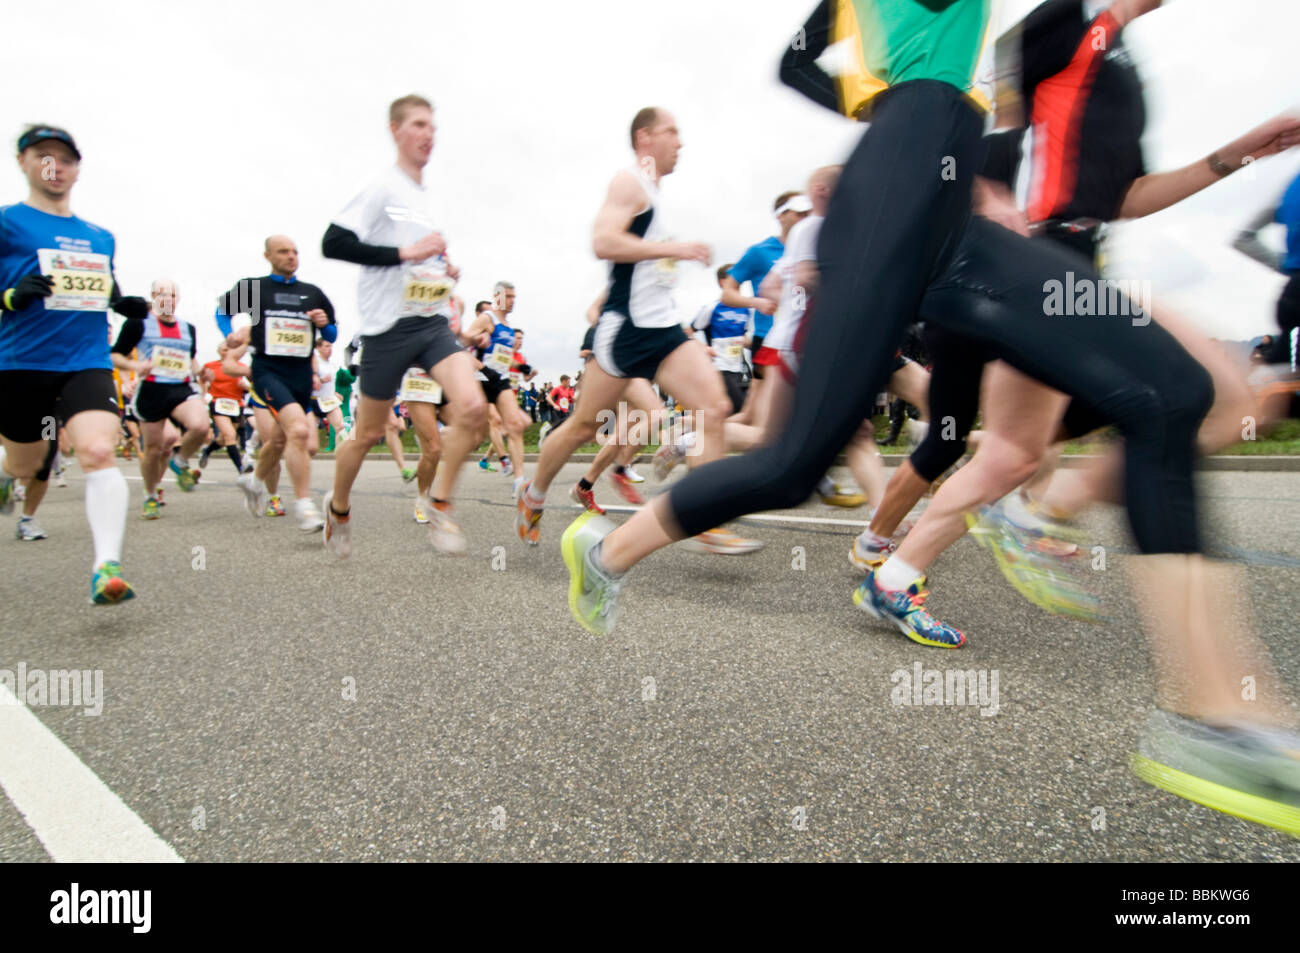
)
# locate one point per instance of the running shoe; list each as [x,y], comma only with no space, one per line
[870,554]
[338,529]
[486,464]
[255,495]
[204,457]
[507,468]
[28,529]
[666,458]
[150,510]
[408,474]
[422,503]
[542,432]
[587,499]
[1048,583]
[107,587]
[833,494]
[625,488]
[593,594]
[904,608]
[309,518]
[161,501]
[444,534]
[59,478]
[722,542]
[527,517]
[1042,534]
[274,507]
[186,478]
[7,486]
[632,475]
[1246,770]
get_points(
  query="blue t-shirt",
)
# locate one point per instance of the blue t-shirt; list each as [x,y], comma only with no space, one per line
[35,339]
[753,267]
[1288,213]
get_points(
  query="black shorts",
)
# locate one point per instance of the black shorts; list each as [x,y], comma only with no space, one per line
[737,386]
[412,342]
[755,344]
[155,401]
[31,400]
[625,350]
[494,385]
[278,389]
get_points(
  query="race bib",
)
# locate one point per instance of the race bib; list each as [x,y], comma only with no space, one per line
[170,363]
[288,337]
[83,281]
[419,387]
[564,404]
[227,406]
[730,348]
[666,272]
[427,288]
[330,403]
[500,359]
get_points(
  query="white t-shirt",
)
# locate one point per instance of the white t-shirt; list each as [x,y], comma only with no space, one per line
[395,211]
[801,245]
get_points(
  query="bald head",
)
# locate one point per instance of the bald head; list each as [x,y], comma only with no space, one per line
[163,297]
[821,185]
[282,253]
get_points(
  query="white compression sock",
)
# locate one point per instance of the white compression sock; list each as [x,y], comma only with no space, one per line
[896,574]
[106,503]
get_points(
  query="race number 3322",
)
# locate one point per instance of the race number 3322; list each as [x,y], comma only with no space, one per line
[83,281]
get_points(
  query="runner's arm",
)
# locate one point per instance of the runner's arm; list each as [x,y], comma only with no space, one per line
[597,306]
[610,239]
[345,245]
[799,69]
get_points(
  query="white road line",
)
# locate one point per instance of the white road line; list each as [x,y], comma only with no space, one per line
[73,813]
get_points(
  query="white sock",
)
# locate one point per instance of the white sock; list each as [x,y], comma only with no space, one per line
[532,497]
[687,441]
[896,574]
[107,499]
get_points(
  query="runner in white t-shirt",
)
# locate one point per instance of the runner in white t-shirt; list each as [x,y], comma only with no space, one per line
[404,296]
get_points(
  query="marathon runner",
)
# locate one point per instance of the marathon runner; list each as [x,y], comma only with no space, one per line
[638,334]
[404,296]
[226,410]
[167,369]
[56,285]
[497,357]
[899,242]
[286,315]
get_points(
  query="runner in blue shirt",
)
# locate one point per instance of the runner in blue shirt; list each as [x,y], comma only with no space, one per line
[56,272]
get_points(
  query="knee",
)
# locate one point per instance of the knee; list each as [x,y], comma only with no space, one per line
[298,432]
[475,413]
[713,413]
[1004,465]
[96,454]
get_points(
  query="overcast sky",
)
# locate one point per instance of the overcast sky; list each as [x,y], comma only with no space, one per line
[206,127]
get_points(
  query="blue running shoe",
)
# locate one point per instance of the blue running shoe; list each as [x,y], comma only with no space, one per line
[905,609]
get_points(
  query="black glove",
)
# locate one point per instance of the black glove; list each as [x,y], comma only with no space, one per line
[28,289]
[132,306]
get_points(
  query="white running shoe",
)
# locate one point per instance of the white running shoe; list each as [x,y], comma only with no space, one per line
[255,493]
[444,534]
[666,458]
[309,518]
[338,532]
[632,475]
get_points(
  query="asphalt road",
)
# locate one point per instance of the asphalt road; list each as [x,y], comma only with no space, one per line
[264,701]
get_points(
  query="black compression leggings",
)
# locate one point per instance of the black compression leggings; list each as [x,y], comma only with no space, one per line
[898,243]
[956,368]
